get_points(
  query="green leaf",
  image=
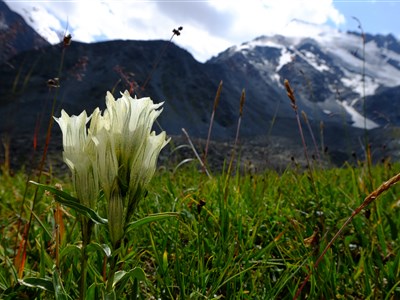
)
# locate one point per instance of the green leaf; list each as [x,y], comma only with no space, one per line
[393,227]
[150,218]
[72,202]
[122,276]
[103,248]
[33,282]
[94,289]
[110,296]
[118,275]
[70,250]
[49,235]
[185,161]
[59,291]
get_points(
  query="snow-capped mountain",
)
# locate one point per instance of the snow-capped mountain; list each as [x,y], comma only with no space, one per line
[331,72]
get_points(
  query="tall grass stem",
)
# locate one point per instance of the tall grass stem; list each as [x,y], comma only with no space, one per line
[216,101]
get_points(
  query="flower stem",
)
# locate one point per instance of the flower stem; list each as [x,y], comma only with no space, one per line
[82,282]
[110,278]
[87,226]
[113,266]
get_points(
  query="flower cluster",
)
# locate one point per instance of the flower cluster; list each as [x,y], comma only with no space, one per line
[117,153]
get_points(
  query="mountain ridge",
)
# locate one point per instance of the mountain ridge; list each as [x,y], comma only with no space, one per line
[326,74]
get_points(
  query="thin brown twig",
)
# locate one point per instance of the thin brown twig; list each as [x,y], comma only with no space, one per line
[312,134]
[196,153]
[290,94]
[242,100]
[20,259]
[368,200]
[216,101]
[175,32]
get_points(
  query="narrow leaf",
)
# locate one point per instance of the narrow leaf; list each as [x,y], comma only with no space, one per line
[42,225]
[393,227]
[33,282]
[70,250]
[185,161]
[92,291]
[72,202]
[55,191]
[150,218]
[59,291]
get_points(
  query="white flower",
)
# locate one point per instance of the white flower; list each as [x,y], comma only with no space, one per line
[79,155]
[117,153]
[107,163]
[125,130]
[127,152]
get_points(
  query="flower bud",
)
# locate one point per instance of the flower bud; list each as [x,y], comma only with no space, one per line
[116,218]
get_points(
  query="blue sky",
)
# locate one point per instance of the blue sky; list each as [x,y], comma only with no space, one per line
[376,16]
[209,26]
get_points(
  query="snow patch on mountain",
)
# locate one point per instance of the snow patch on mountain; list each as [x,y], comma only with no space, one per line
[3,23]
[319,65]
[335,64]
[344,47]
[285,58]
[348,48]
[358,120]
[312,60]
[260,42]
[327,111]
[355,83]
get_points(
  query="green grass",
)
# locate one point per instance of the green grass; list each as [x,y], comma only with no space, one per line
[255,238]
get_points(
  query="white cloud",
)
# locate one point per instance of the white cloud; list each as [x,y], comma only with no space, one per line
[200,43]
[209,26]
[254,18]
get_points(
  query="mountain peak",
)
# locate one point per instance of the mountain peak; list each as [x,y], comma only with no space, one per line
[15,34]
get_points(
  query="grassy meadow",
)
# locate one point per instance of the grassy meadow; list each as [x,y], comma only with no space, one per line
[244,236]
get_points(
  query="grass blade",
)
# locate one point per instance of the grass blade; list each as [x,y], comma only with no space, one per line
[149,219]
[41,283]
